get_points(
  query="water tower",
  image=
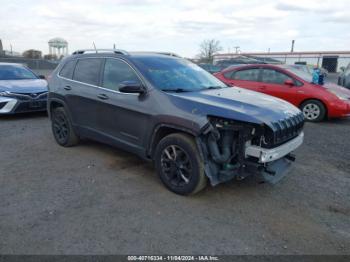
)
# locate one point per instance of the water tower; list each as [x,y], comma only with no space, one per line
[58,46]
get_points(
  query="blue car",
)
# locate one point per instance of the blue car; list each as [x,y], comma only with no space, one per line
[21,90]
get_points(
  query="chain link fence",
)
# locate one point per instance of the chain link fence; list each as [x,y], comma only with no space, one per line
[332,61]
[39,66]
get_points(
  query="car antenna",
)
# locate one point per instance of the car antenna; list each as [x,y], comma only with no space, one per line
[93,43]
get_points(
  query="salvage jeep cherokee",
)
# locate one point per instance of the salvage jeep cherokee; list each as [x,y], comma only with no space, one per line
[166,109]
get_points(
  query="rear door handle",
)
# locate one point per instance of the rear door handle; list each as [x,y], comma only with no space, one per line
[103,96]
[68,88]
[262,87]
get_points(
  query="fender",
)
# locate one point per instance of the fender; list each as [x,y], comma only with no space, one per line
[151,145]
[61,101]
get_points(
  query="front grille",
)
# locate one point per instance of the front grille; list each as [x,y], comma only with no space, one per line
[31,106]
[29,97]
[288,128]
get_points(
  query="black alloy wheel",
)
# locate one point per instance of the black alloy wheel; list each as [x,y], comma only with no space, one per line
[62,128]
[179,164]
[176,166]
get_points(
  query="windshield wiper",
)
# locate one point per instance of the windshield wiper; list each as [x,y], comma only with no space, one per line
[212,87]
[180,90]
[177,90]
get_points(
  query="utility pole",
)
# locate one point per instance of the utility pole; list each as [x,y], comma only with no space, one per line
[292,49]
[113,46]
[11,49]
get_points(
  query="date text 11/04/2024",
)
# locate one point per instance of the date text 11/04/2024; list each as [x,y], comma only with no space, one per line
[173,258]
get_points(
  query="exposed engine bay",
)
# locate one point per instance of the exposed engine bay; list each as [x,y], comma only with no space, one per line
[233,149]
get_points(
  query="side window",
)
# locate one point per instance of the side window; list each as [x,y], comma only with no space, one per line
[274,77]
[228,75]
[88,71]
[298,83]
[247,74]
[67,69]
[116,72]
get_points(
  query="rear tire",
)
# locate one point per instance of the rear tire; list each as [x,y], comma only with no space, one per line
[62,128]
[179,165]
[313,110]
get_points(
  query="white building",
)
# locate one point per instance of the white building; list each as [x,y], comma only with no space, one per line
[330,60]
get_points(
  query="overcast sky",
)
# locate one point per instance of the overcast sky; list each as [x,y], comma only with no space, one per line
[177,25]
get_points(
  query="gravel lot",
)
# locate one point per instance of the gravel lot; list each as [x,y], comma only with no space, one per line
[94,199]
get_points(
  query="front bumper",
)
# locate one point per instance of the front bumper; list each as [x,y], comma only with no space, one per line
[265,155]
[271,172]
[339,109]
[9,105]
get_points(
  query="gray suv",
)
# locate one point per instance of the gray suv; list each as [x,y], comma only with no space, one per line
[168,110]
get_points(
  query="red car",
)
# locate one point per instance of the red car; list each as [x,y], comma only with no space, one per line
[293,85]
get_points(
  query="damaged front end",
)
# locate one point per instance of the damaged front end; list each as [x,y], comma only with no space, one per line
[233,149]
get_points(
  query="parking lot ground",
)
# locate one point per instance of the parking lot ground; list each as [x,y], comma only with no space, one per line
[94,199]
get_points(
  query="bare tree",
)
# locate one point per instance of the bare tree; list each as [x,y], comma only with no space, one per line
[208,48]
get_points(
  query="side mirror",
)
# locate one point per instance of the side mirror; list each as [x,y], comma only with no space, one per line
[42,77]
[342,69]
[289,83]
[131,87]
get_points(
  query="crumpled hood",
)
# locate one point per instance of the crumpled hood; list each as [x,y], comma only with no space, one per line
[337,89]
[237,104]
[24,86]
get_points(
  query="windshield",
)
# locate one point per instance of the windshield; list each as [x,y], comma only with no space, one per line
[9,72]
[300,73]
[173,74]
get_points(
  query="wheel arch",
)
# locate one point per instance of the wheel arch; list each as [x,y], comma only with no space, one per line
[54,103]
[162,131]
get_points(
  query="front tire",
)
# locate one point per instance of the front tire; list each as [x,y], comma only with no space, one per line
[179,165]
[313,110]
[62,128]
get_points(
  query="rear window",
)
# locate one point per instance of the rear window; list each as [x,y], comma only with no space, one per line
[88,71]
[67,69]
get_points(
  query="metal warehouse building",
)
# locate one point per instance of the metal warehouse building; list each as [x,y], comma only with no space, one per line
[330,60]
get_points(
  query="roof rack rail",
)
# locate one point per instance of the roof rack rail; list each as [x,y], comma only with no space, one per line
[116,51]
[168,53]
[156,52]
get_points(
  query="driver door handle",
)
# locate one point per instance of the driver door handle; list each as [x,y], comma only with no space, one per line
[262,87]
[103,96]
[67,87]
